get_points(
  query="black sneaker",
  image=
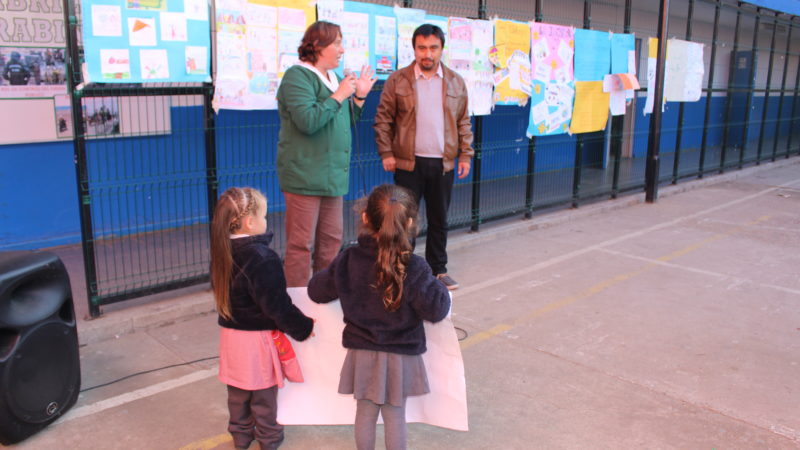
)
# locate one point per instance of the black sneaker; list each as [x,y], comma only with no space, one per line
[447,281]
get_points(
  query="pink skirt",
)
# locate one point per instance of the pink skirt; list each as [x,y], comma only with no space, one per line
[248,359]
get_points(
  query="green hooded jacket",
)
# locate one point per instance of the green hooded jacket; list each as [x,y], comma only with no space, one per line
[314,144]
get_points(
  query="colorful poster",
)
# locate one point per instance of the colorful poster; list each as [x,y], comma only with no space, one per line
[553,86]
[385,43]
[257,41]
[330,11]
[408,20]
[468,44]
[32,72]
[481,86]
[592,55]
[510,55]
[145,40]
[622,46]
[32,49]
[683,78]
[591,107]
[355,39]
[369,33]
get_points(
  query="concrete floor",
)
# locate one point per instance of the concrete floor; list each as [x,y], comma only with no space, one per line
[618,325]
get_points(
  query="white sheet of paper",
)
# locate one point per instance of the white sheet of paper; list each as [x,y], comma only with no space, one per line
[106,20]
[173,26]
[196,60]
[196,9]
[141,31]
[632,61]
[316,400]
[617,103]
[115,61]
[539,112]
[154,64]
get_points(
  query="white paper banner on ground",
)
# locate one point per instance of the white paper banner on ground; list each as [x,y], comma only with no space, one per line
[317,402]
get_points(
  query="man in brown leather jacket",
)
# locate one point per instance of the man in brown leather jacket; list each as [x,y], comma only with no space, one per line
[422,128]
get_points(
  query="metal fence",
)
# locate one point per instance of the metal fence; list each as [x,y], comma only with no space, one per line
[148,182]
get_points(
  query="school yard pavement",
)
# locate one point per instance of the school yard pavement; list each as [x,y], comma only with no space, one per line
[619,325]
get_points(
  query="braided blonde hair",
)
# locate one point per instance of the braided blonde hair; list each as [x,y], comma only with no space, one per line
[234,205]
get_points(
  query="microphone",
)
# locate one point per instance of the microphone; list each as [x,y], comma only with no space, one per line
[347,72]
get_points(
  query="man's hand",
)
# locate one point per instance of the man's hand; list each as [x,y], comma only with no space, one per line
[389,164]
[463,169]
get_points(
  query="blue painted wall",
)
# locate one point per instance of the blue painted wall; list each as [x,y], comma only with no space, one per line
[38,193]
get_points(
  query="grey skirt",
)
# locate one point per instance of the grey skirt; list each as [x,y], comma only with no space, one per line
[383,377]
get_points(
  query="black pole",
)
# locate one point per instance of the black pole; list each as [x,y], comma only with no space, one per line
[751,90]
[766,93]
[531,168]
[212,182]
[729,89]
[676,161]
[73,79]
[709,91]
[579,140]
[618,122]
[654,137]
[478,146]
[783,93]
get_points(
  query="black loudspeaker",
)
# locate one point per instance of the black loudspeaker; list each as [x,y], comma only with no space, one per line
[39,364]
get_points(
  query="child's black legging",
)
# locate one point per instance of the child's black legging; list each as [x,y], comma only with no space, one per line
[394,425]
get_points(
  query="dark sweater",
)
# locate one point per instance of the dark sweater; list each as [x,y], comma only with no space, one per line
[258,296]
[351,277]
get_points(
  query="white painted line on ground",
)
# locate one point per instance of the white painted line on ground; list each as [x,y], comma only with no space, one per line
[113,402]
[722,276]
[567,256]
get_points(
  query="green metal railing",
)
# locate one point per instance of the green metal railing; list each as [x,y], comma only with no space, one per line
[148,181]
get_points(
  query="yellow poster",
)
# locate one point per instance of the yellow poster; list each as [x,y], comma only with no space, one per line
[591,107]
[512,62]
[652,48]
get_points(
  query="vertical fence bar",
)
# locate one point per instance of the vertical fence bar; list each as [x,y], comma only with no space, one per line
[212,181]
[73,79]
[531,168]
[709,91]
[654,137]
[729,89]
[751,89]
[679,133]
[579,140]
[783,93]
[766,92]
[478,147]
[618,122]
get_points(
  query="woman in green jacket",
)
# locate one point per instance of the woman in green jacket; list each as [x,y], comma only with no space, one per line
[316,111]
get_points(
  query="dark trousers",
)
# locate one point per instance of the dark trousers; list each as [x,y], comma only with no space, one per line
[254,415]
[429,182]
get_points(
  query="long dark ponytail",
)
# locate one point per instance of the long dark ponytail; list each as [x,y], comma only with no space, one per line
[391,216]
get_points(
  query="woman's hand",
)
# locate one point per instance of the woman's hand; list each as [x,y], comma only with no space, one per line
[346,88]
[365,81]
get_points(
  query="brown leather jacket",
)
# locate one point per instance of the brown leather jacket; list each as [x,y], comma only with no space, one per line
[396,119]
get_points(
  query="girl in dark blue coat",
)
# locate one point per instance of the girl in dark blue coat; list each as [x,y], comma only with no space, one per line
[386,292]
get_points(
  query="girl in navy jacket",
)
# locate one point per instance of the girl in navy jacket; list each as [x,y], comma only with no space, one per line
[386,292]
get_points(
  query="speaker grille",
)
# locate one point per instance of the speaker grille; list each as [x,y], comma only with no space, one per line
[42,374]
